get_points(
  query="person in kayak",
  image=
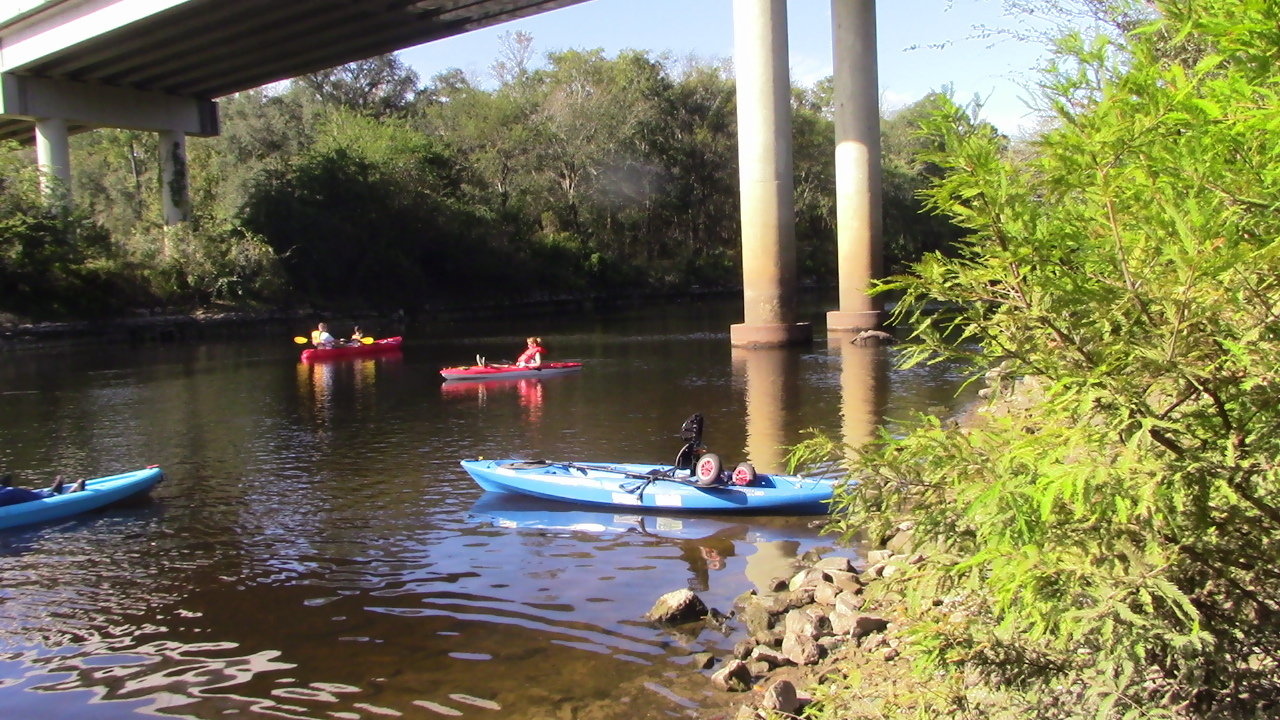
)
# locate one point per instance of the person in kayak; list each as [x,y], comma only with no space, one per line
[10,495]
[356,336]
[321,338]
[532,356]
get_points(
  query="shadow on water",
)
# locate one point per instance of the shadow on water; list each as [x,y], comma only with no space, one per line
[317,552]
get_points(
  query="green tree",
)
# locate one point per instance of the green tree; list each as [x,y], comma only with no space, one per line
[379,86]
[1112,550]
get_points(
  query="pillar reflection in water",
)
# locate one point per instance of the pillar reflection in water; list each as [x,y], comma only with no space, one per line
[767,374]
[864,389]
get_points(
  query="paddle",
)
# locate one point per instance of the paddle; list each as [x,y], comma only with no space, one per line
[304,341]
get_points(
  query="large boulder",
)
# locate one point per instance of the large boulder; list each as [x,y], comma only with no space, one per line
[677,607]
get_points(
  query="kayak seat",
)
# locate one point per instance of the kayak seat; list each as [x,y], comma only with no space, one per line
[526,465]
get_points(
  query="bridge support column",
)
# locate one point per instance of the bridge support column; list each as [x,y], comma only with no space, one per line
[765,174]
[53,155]
[174,178]
[859,238]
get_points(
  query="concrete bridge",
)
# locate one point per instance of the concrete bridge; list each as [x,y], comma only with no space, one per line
[67,66]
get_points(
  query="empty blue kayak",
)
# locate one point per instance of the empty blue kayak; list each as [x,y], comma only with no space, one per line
[651,486]
[97,493]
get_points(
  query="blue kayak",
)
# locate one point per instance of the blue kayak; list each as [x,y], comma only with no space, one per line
[97,493]
[635,485]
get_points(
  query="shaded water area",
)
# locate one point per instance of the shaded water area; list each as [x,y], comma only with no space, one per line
[316,551]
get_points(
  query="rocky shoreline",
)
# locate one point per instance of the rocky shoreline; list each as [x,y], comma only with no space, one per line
[815,623]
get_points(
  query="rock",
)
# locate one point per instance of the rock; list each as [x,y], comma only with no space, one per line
[703,661]
[888,570]
[801,650]
[873,337]
[680,606]
[769,638]
[891,654]
[804,578]
[810,622]
[756,616]
[800,597]
[864,625]
[826,593]
[845,580]
[831,641]
[758,667]
[878,556]
[770,656]
[742,600]
[777,584]
[735,676]
[839,564]
[781,697]
[901,542]
[746,712]
[743,649]
[810,557]
[845,614]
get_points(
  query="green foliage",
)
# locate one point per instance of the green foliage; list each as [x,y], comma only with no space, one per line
[54,262]
[590,175]
[192,266]
[1110,547]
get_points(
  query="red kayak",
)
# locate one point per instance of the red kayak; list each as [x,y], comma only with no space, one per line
[508,372]
[377,347]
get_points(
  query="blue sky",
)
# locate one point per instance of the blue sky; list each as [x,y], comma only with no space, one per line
[995,70]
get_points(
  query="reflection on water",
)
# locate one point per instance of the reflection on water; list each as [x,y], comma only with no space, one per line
[864,390]
[528,391]
[766,374]
[318,553]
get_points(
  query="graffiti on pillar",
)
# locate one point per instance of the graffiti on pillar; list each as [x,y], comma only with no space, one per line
[178,179]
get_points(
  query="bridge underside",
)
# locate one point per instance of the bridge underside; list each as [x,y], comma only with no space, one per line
[232,46]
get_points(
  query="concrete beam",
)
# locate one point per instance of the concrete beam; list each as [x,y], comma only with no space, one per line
[859,235]
[101,106]
[27,37]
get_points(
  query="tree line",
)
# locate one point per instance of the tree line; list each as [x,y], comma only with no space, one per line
[363,187]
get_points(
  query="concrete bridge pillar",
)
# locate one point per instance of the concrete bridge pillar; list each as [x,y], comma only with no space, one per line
[765,175]
[859,239]
[53,156]
[174,177]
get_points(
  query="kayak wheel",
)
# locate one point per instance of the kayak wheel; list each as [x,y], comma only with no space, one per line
[744,474]
[708,469]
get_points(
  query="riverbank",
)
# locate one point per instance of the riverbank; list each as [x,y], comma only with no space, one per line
[161,325]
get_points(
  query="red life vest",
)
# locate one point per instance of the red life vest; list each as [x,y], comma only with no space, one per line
[527,356]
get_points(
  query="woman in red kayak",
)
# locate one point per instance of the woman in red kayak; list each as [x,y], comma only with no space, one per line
[532,356]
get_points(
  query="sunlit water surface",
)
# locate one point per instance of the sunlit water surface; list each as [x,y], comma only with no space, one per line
[316,551]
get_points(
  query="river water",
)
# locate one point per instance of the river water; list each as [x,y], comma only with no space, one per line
[316,551]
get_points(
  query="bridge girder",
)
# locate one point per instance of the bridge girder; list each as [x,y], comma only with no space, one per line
[205,49]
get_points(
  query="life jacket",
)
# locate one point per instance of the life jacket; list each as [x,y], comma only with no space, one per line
[315,337]
[530,353]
